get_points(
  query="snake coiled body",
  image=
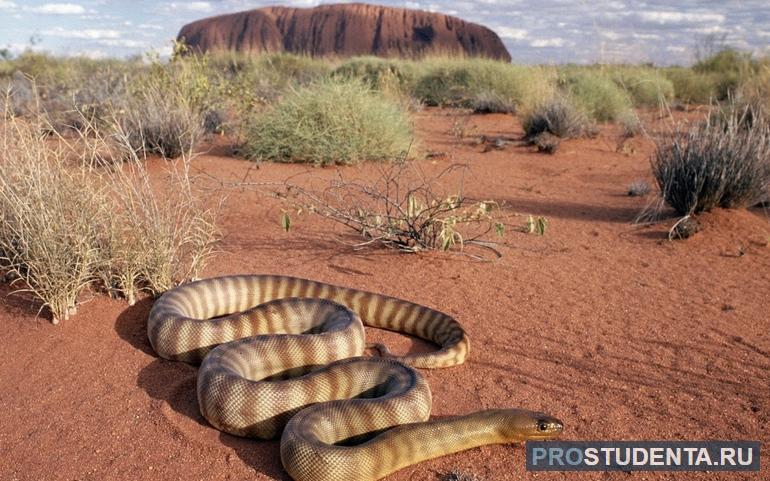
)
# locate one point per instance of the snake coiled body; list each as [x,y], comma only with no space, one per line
[284,355]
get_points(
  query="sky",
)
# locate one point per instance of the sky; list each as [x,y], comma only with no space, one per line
[542,31]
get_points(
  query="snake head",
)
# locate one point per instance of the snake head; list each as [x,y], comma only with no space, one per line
[546,427]
[522,425]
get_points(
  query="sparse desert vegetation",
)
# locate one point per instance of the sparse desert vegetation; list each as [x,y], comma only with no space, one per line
[229,91]
[290,108]
[50,216]
[99,194]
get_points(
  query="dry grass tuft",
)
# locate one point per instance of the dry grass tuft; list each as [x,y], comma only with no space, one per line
[49,216]
[639,188]
[723,162]
[559,117]
[71,218]
[159,241]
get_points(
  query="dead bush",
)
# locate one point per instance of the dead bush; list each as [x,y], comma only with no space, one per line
[403,209]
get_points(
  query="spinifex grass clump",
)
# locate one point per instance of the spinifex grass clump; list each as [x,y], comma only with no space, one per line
[330,122]
[481,84]
[646,86]
[596,94]
[71,218]
[557,116]
[722,162]
[50,215]
[378,73]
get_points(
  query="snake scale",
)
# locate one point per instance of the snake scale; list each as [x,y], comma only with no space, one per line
[283,356]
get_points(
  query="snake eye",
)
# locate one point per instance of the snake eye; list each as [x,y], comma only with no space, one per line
[542,426]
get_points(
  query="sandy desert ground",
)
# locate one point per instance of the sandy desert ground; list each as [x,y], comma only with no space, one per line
[600,322]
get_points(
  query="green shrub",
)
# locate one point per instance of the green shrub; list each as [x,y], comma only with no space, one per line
[723,162]
[596,94]
[443,85]
[378,73]
[727,60]
[393,78]
[330,122]
[245,84]
[646,86]
[692,87]
[729,68]
[482,84]
[299,69]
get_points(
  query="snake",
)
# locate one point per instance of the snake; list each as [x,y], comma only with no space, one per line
[284,356]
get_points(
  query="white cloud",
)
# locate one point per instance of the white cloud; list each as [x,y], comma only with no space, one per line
[122,42]
[5,5]
[165,51]
[91,53]
[17,48]
[149,26]
[645,36]
[547,42]
[663,17]
[59,9]
[610,35]
[512,33]
[191,6]
[89,34]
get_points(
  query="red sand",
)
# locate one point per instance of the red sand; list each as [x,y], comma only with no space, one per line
[602,323]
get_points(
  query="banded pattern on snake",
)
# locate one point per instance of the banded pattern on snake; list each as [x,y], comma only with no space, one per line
[284,355]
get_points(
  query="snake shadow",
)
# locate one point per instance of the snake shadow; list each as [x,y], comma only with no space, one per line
[163,380]
[174,383]
[131,325]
